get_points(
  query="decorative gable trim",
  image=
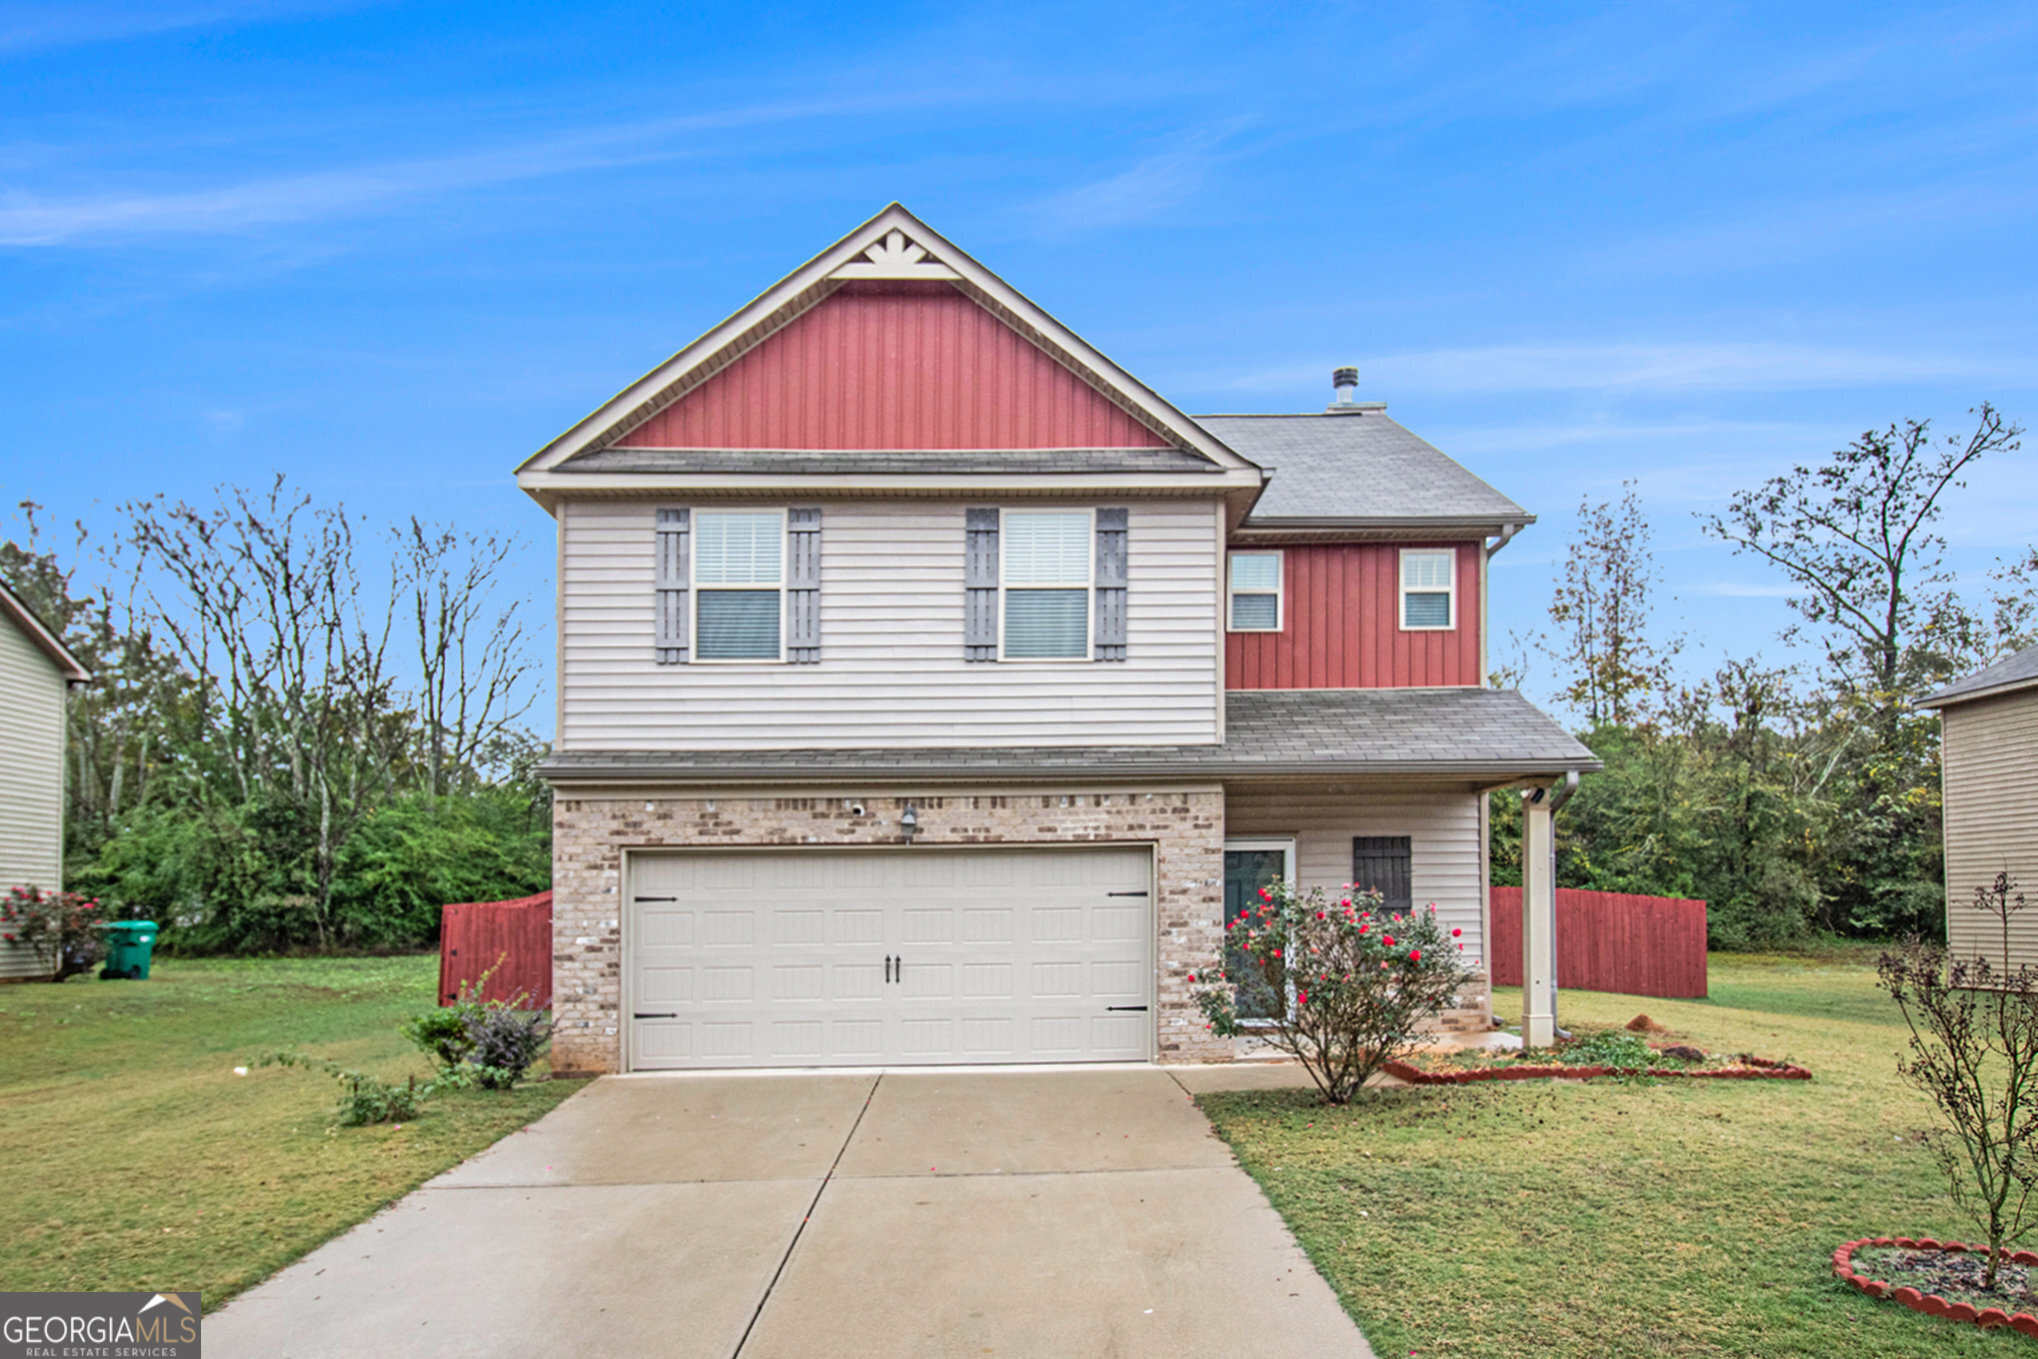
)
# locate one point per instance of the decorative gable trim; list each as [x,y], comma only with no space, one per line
[896,257]
[887,242]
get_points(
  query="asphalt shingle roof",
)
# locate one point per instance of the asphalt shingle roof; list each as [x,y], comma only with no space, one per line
[1356,466]
[1305,732]
[801,463]
[2017,671]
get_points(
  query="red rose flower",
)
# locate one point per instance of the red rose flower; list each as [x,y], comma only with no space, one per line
[1456,933]
[1414,955]
[1388,940]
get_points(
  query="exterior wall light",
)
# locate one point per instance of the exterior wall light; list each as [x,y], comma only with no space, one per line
[909,821]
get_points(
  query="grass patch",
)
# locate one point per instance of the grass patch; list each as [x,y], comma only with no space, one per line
[139,1160]
[1603,1219]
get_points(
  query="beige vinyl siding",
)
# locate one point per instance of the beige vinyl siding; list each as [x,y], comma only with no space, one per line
[31,776]
[1445,851]
[1989,749]
[891,671]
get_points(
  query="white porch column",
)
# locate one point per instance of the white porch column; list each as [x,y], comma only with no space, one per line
[1538,919]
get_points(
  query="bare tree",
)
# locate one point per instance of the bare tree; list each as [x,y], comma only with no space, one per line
[473,654]
[1602,610]
[1854,535]
[261,603]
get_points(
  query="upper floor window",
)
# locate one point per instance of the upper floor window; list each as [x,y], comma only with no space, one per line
[1046,558]
[1429,589]
[739,583]
[1255,592]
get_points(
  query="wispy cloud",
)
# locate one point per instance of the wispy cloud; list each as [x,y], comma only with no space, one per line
[1642,366]
[33,27]
[1155,185]
[31,219]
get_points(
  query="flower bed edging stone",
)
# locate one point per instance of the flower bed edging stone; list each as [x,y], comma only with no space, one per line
[1931,1304]
[1415,1075]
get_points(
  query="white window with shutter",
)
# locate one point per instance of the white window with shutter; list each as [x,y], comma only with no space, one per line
[739,585]
[1255,592]
[1429,589]
[1046,559]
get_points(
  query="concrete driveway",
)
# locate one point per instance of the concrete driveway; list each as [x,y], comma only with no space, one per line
[1018,1213]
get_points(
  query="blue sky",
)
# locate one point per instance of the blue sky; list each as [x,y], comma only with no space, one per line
[391,249]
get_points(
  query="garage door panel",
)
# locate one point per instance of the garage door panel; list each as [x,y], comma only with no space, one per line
[797,1040]
[808,981]
[665,986]
[987,981]
[848,926]
[799,927]
[786,957]
[721,984]
[858,981]
[721,929]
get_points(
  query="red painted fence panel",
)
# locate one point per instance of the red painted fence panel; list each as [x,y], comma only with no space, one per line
[1610,941]
[513,937]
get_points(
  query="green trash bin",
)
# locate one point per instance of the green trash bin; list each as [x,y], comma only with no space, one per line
[128,946]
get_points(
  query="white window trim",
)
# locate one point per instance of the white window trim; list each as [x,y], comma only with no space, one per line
[1279,592]
[1088,587]
[1451,595]
[693,582]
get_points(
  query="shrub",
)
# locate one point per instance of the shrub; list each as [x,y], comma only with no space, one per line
[368,1099]
[441,1033]
[1336,983]
[1974,1052]
[63,929]
[505,1042]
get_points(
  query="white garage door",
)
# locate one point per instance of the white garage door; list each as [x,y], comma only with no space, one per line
[889,957]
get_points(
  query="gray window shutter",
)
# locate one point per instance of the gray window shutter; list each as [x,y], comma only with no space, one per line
[671,579]
[1380,863]
[980,585]
[803,587]
[1109,634]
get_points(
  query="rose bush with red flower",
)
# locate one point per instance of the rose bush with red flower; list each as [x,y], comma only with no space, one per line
[1334,982]
[64,930]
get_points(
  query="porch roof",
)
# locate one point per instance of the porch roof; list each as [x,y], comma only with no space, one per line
[1457,733]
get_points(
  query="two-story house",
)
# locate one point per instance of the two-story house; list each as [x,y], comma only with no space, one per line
[930,689]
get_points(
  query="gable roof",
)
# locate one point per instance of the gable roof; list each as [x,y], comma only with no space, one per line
[895,246]
[1359,469]
[15,610]
[2017,672]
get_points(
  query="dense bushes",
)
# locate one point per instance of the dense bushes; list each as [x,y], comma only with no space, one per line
[219,880]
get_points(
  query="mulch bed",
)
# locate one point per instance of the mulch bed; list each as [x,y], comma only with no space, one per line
[1879,1266]
[1462,1069]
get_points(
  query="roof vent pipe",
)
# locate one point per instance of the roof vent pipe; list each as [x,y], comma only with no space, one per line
[1344,381]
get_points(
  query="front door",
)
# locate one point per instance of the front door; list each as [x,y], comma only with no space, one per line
[1246,871]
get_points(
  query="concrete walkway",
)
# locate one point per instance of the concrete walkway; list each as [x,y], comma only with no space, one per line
[925,1213]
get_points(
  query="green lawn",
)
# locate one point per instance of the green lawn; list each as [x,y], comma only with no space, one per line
[137,1159]
[1605,1219]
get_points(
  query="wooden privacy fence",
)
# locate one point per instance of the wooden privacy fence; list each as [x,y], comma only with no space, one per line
[513,937]
[1610,941]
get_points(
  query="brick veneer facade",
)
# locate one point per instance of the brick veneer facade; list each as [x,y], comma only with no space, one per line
[591,834]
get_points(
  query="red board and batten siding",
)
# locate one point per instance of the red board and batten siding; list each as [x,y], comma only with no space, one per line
[1610,941]
[1341,625]
[894,366]
[513,937]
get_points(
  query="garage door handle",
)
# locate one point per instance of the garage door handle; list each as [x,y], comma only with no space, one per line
[667,1015]
[1139,893]
[1141,1008]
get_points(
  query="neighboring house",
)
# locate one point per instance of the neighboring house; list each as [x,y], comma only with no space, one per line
[930,689]
[1988,756]
[35,673]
